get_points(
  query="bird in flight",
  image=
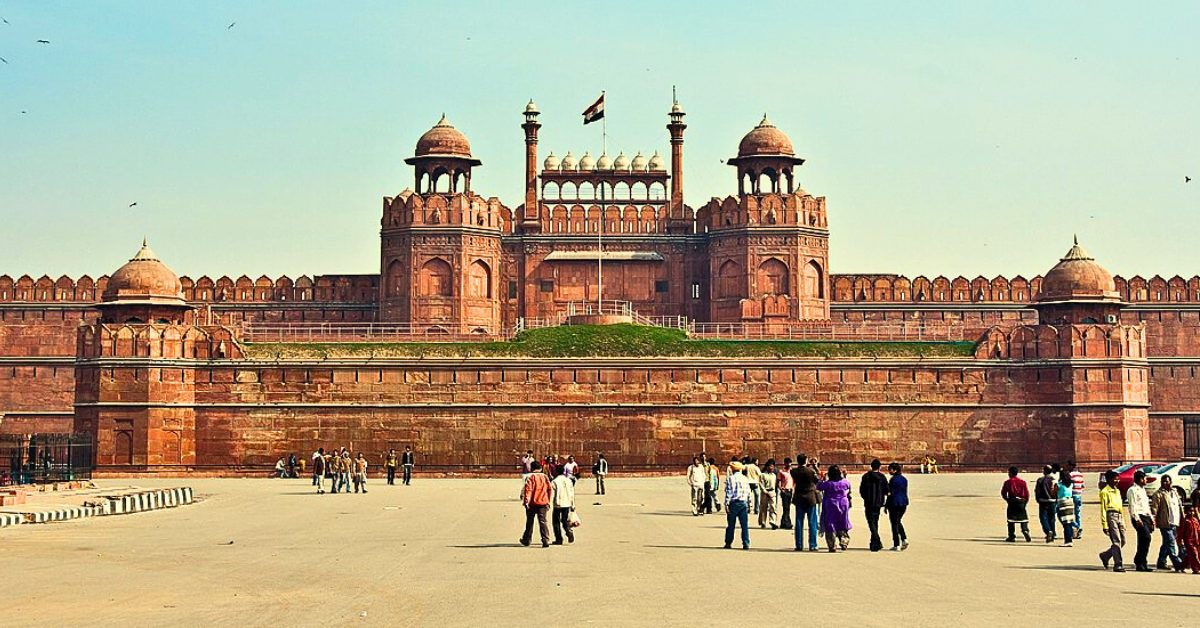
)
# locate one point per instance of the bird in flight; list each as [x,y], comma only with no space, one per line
[42,41]
[231,24]
[4,60]
[133,204]
[5,21]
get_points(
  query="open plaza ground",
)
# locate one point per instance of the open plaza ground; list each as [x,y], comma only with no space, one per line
[444,552]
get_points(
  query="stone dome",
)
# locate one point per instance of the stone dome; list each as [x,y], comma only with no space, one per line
[144,279]
[587,162]
[765,140]
[443,140]
[621,162]
[551,162]
[639,162]
[657,163]
[568,161]
[1077,277]
[604,163]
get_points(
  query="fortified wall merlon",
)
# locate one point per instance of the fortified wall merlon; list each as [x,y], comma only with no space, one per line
[1073,363]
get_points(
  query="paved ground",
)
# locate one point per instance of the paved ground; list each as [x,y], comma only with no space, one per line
[444,552]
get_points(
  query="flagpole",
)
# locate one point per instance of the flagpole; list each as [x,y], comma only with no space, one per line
[600,230]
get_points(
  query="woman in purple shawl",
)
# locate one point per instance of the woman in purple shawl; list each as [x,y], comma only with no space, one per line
[835,509]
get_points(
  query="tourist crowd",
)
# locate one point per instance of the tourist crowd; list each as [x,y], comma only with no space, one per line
[1059,496]
[821,499]
[343,469]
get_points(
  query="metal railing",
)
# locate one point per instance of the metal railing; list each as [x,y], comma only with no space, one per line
[369,332]
[821,330]
[41,458]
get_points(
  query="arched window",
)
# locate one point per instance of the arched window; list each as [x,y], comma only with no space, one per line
[658,192]
[479,280]
[638,191]
[622,191]
[587,191]
[773,277]
[395,278]
[812,280]
[729,280]
[436,278]
[550,191]
[569,191]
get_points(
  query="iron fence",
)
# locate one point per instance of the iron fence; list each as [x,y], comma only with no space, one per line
[43,458]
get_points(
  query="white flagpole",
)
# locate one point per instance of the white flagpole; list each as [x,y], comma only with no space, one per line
[600,230]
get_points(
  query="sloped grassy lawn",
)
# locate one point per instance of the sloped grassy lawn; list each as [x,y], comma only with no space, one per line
[580,341]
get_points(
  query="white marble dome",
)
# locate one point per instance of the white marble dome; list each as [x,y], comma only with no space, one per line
[551,162]
[587,162]
[657,163]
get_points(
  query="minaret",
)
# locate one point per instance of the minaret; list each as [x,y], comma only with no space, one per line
[529,220]
[676,128]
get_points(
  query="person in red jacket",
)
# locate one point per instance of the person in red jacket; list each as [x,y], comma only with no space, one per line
[1189,539]
[535,497]
[1016,493]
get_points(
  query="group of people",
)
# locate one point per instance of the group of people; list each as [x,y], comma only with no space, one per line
[1059,496]
[550,464]
[822,500]
[344,469]
[1165,511]
[549,493]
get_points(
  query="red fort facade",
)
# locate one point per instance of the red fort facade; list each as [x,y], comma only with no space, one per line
[1075,364]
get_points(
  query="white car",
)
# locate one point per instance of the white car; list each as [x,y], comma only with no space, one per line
[1179,472]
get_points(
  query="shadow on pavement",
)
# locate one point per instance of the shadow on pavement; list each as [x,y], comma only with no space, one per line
[1166,594]
[488,546]
[1060,567]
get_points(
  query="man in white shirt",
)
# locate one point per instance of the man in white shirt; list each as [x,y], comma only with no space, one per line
[752,476]
[696,475]
[1141,518]
[562,499]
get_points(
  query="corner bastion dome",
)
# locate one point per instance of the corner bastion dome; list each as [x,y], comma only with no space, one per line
[765,140]
[144,279]
[443,140]
[1077,277]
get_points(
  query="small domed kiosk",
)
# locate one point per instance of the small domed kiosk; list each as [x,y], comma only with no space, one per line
[144,290]
[1078,291]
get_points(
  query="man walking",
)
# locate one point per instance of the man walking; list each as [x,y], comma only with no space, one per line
[1046,492]
[535,497]
[873,488]
[785,484]
[1112,521]
[347,466]
[563,498]
[389,463]
[695,481]
[407,460]
[804,496]
[1077,484]
[600,469]
[737,504]
[1142,520]
[1167,510]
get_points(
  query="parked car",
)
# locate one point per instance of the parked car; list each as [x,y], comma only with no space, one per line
[1125,474]
[1179,472]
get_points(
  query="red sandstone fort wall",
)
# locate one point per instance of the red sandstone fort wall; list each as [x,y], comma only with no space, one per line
[464,417]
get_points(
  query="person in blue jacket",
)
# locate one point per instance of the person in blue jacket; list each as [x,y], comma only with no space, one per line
[896,505]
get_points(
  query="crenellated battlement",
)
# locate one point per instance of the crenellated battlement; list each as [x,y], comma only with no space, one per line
[1057,342]
[940,289]
[184,342]
[318,289]
[800,209]
[409,209]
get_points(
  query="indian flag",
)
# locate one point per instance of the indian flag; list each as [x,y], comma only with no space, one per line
[595,112]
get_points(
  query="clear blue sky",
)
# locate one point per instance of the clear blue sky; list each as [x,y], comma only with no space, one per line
[949,137]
